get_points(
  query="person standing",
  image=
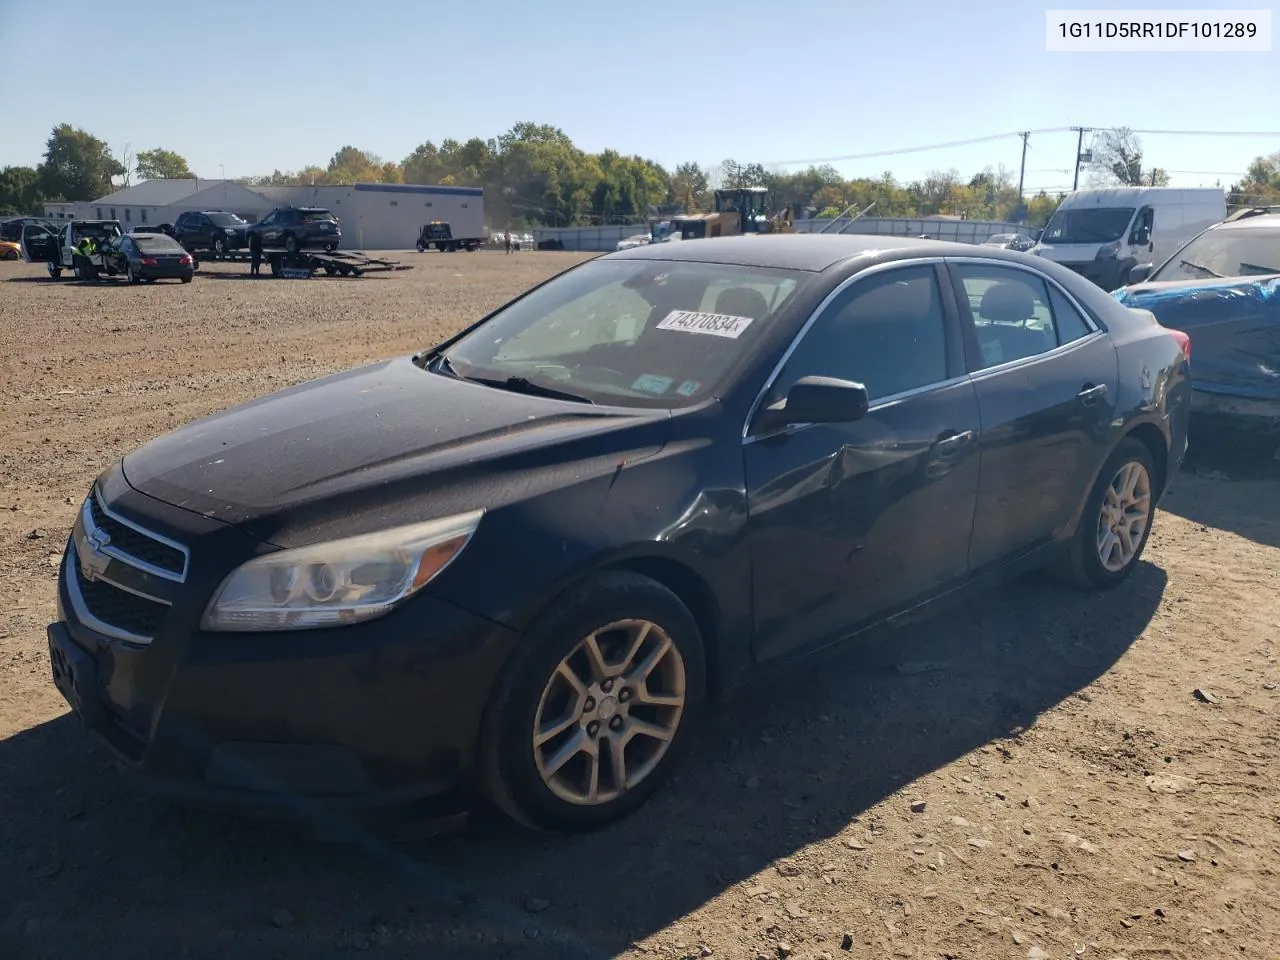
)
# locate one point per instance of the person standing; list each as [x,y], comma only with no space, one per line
[507,237]
[255,252]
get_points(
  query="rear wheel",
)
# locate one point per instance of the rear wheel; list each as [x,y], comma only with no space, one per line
[129,272]
[55,273]
[185,279]
[1116,522]
[219,248]
[594,705]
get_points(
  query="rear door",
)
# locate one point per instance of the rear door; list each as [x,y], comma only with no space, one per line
[1046,381]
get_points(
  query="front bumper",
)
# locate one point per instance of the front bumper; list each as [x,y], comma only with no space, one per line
[363,716]
[1107,274]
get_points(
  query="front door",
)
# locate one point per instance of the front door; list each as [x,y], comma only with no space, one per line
[1046,381]
[38,243]
[849,521]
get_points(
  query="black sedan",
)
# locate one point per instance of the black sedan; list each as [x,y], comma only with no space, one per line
[524,561]
[149,257]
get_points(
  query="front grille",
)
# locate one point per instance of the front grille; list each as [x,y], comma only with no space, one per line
[115,607]
[136,544]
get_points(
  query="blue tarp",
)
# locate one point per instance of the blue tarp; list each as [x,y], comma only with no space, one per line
[1234,325]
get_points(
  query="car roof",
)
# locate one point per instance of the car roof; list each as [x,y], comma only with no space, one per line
[800,251]
[1262,220]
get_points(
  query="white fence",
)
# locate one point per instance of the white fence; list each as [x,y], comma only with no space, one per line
[964,231]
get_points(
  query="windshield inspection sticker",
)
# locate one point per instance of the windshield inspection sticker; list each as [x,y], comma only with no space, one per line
[651,383]
[688,388]
[716,324]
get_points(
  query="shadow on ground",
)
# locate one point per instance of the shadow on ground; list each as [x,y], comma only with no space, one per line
[1247,508]
[89,868]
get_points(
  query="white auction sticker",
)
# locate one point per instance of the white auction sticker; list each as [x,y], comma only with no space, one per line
[716,324]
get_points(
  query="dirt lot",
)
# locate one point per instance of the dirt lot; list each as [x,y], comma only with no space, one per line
[1079,799]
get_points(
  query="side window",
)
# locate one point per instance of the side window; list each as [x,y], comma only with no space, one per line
[268,220]
[886,332]
[1011,313]
[144,214]
[1066,318]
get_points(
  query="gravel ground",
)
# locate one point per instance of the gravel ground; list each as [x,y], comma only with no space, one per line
[1035,776]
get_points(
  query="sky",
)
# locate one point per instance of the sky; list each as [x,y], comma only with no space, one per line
[243,88]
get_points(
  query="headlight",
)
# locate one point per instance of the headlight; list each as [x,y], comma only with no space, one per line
[229,231]
[339,582]
[1108,251]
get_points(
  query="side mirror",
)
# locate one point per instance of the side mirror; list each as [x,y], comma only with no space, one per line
[1140,273]
[819,400]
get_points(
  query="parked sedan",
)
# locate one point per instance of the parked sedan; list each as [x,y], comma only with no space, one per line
[524,561]
[1010,241]
[149,257]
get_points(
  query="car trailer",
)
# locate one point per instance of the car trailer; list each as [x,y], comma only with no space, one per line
[305,263]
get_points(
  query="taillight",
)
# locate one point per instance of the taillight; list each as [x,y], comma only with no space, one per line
[185,260]
[148,261]
[1184,342]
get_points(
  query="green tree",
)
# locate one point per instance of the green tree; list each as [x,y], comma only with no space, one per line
[77,165]
[162,164]
[689,186]
[20,191]
[1261,183]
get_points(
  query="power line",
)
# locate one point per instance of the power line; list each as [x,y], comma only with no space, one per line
[1018,133]
[918,149]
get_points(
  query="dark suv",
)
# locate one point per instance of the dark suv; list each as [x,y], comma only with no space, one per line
[217,231]
[298,228]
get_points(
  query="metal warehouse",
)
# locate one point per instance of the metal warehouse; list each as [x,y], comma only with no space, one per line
[374,216]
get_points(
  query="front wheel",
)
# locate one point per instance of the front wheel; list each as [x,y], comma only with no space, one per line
[219,248]
[422,247]
[594,705]
[55,273]
[291,244]
[1117,518]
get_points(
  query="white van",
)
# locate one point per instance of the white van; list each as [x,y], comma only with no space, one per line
[1103,234]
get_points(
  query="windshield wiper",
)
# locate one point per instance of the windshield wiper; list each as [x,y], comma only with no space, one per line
[1200,266]
[524,385]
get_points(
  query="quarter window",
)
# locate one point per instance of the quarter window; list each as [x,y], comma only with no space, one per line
[886,332]
[1016,314]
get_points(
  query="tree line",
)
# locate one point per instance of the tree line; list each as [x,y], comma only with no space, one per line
[534,174]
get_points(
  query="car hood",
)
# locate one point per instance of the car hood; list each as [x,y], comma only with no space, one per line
[380,445]
[1234,325]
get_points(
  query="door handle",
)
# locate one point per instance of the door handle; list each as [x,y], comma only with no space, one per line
[950,442]
[1091,393]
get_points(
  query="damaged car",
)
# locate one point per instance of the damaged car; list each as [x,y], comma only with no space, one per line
[523,562]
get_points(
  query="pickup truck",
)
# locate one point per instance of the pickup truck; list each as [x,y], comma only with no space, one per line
[439,234]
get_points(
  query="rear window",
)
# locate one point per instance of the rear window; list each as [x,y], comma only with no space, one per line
[315,216]
[156,243]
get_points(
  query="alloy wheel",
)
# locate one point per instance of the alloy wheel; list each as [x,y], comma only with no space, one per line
[1123,519]
[609,712]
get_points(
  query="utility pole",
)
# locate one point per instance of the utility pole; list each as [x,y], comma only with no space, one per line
[1079,152]
[1022,172]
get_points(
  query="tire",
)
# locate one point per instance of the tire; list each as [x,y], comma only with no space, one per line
[1083,563]
[219,248]
[185,279]
[55,273]
[290,244]
[9,255]
[530,689]
[128,272]
[422,247]
[330,247]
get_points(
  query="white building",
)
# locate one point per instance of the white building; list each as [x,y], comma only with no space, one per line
[374,216]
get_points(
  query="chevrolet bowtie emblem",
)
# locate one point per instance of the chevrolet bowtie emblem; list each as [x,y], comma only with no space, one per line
[93,562]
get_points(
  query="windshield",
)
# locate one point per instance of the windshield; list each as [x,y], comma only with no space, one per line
[1244,252]
[1001,238]
[634,333]
[226,220]
[1087,225]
